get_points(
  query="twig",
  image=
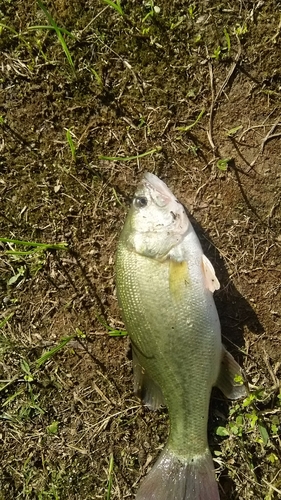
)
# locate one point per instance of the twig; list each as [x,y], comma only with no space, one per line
[272,374]
[271,486]
[277,32]
[94,18]
[255,126]
[268,136]
[210,131]
[217,97]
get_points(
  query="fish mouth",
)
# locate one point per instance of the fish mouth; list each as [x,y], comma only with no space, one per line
[153,183]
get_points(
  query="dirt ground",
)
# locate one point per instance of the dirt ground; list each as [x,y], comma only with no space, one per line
[90,98]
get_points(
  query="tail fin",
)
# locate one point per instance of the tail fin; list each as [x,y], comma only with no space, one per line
[174,479]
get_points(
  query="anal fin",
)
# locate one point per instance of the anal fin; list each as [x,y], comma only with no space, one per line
[229,371]
[144,387]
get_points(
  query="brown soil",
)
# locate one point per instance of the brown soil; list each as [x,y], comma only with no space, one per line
[136,82]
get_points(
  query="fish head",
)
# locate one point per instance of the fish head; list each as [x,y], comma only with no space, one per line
[157,220]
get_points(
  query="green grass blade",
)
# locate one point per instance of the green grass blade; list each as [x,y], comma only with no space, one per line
[97,76]
[5,320]
[117,333]
[232,131]
[222,164]
[49,354]
[71,144]
[188,127]
[21,38]
[227,38]
[109,479]
[14,252]
[65,48]
[117,198]
[58,32]
[12,397]
[46,27]
[112,332]
[2,25]
[115,6]
[8,383]
[45,246]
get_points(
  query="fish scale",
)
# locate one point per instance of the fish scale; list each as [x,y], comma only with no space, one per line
[168,346]
[165,290]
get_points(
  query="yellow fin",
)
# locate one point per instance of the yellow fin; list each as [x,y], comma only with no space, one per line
[178,278]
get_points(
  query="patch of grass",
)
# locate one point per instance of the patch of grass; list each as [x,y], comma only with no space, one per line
[254,421]
[240,30]
[60,32]
[153,10]
[115,5]
[5,320]
[217,53]
[191,10]
[21,393]
[51,352]
[26,263]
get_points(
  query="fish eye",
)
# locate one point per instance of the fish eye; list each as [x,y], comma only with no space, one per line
[140,201]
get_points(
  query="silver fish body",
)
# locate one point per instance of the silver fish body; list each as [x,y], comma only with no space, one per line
[165,288]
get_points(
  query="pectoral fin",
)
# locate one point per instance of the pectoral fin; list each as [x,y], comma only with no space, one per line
[211,281]
[144,387]
[227,381]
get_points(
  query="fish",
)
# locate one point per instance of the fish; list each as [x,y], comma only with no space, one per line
[165,287]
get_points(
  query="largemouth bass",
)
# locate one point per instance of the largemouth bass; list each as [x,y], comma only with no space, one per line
[165,288]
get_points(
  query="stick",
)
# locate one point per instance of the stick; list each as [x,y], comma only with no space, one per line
[216,98]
